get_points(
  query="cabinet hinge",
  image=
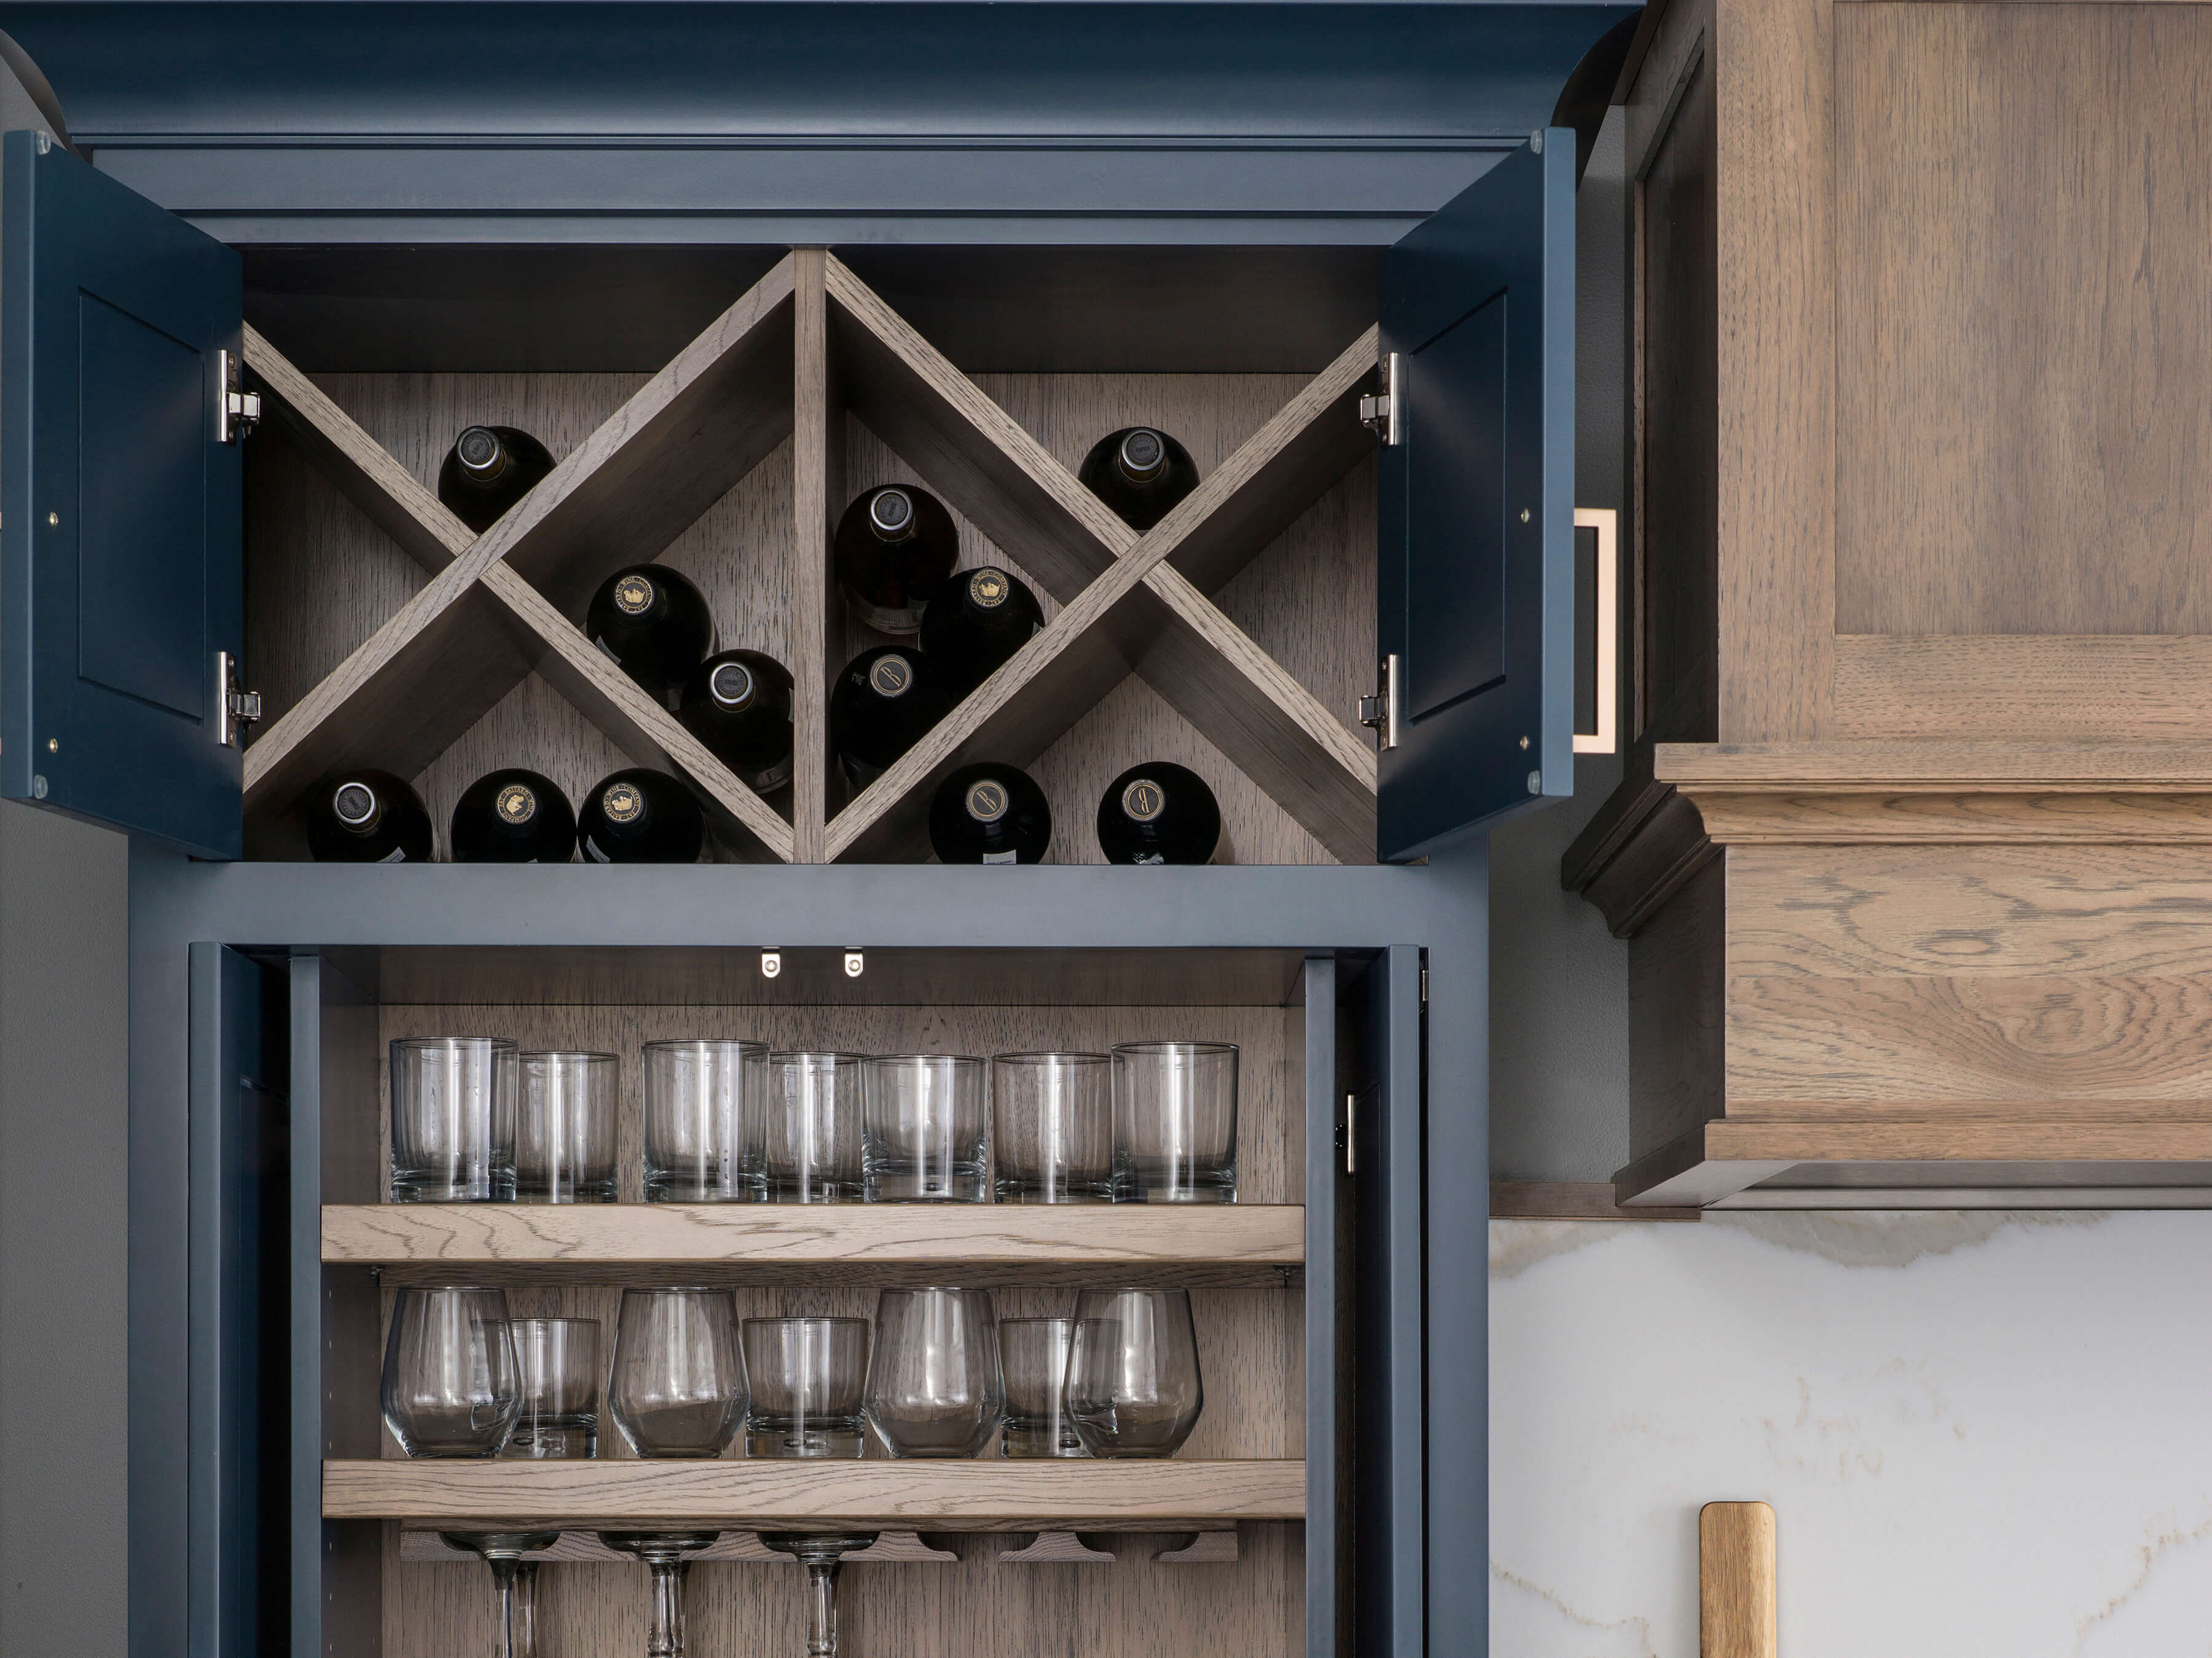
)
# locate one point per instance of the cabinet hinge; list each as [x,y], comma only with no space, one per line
[1380,712]
[238,410]
[235,709]
[1378,409]
[1424,986]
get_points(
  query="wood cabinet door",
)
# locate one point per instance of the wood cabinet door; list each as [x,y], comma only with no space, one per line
[120,557]
[1475,595]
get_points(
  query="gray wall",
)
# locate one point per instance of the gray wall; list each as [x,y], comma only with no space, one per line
[1559,982]
[64,1134]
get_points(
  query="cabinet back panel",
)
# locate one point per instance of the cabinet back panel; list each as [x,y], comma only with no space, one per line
[2024,318]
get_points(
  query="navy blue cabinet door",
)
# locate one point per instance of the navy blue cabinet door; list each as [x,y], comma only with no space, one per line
[1475,591]
[121,561]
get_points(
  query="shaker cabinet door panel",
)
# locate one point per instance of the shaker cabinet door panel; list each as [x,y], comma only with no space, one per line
[120,565]
[1476,580]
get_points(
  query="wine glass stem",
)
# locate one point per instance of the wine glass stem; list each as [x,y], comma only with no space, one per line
[522,1639]
[503,1575]
[666,1640]
[822,1609]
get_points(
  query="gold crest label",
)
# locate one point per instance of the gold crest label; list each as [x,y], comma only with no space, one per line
[623,803]
[986,801]
[634,595]
[1143,800]
[517,803]
[891,675]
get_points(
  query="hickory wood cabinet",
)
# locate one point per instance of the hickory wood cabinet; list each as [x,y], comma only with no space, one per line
[1909,856]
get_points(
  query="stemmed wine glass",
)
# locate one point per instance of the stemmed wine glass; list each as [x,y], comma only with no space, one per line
[822,1553]
[677,1389]
[516,1578]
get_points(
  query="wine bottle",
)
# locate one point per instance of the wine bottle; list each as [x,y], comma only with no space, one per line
[738,704]
[367,818]
[640,817]
[487,469]
[1141,472]
[989,814]
[1158,813]
[655,623]
[881,705]
[974,624]
[896,547]
[513,817]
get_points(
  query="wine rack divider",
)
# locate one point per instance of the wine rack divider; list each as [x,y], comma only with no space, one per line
[786,358]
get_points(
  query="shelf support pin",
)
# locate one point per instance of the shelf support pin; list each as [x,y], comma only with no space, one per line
[855,964]
[771,964]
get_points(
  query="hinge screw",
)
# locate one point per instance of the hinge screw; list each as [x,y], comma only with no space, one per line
[1524,746]
[53,520]
[1524,515]
[53,745]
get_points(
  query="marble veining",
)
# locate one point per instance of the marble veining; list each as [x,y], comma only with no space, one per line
[1982,1432]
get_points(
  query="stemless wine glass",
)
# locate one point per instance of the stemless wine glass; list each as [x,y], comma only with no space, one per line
[515,1578]
[1051,1121]
[934,1387]
[559,1364]
[814,1133]
[704,1104]
[678,1387]
[1174,1122]
[1133,1388]
[924,1129]
[806,1377]
[1034,1354]
[453,1120]
[565,1130]
[451,1384]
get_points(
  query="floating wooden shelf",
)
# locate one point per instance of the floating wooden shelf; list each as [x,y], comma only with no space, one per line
[807,343]
[1132,1238]
[962,1496]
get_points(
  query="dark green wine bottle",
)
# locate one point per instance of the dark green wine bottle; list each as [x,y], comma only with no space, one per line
[1158,813]
[513,817]
[1141,472]
[989,814]
[896,547]
[738,704]
[880,706]
[655,623]
[487,469]
[367,818]
[980,620]
[640,817]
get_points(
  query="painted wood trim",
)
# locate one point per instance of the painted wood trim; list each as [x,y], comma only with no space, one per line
[958,1495]
[1775,201]
[1736,1580]
[2030,686]
[1107,1235]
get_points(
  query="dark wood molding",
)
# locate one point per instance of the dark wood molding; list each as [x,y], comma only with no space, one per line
[1569,1200]
[1637,852]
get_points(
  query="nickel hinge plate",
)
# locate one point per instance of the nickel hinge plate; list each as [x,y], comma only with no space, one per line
[235,709]
[238,410]
[1378,409]
[1380,712]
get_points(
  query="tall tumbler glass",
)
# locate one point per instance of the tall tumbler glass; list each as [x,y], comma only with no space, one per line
[813,1132]
[925,1138]
[451,1385]
[1052,1127]
[565,1130]
[453,1120]
[934,1387]
[1134,1387]
[704,1110]
[1174,1122]
[678,1387]
[808,1378]
[1034,1354]
[560,1361]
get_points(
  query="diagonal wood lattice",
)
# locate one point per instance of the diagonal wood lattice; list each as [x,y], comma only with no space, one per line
[808,343]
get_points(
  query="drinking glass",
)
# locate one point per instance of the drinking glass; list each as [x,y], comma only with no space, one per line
[1134,1387]
[663,1552]
[677,1388]
[564,1130]
[560,1362]
[704,1109]
[806,1377]
[1034,1354]
[516,1579]
[1052,1123]
[933,1383]
[821,1553]
[923,1129]
[1174,1122]
[451,1384]
[453,1120]
[813,1132]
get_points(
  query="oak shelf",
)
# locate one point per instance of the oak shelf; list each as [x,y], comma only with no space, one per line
[1225,1243]
[950,1495]
[807,344]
